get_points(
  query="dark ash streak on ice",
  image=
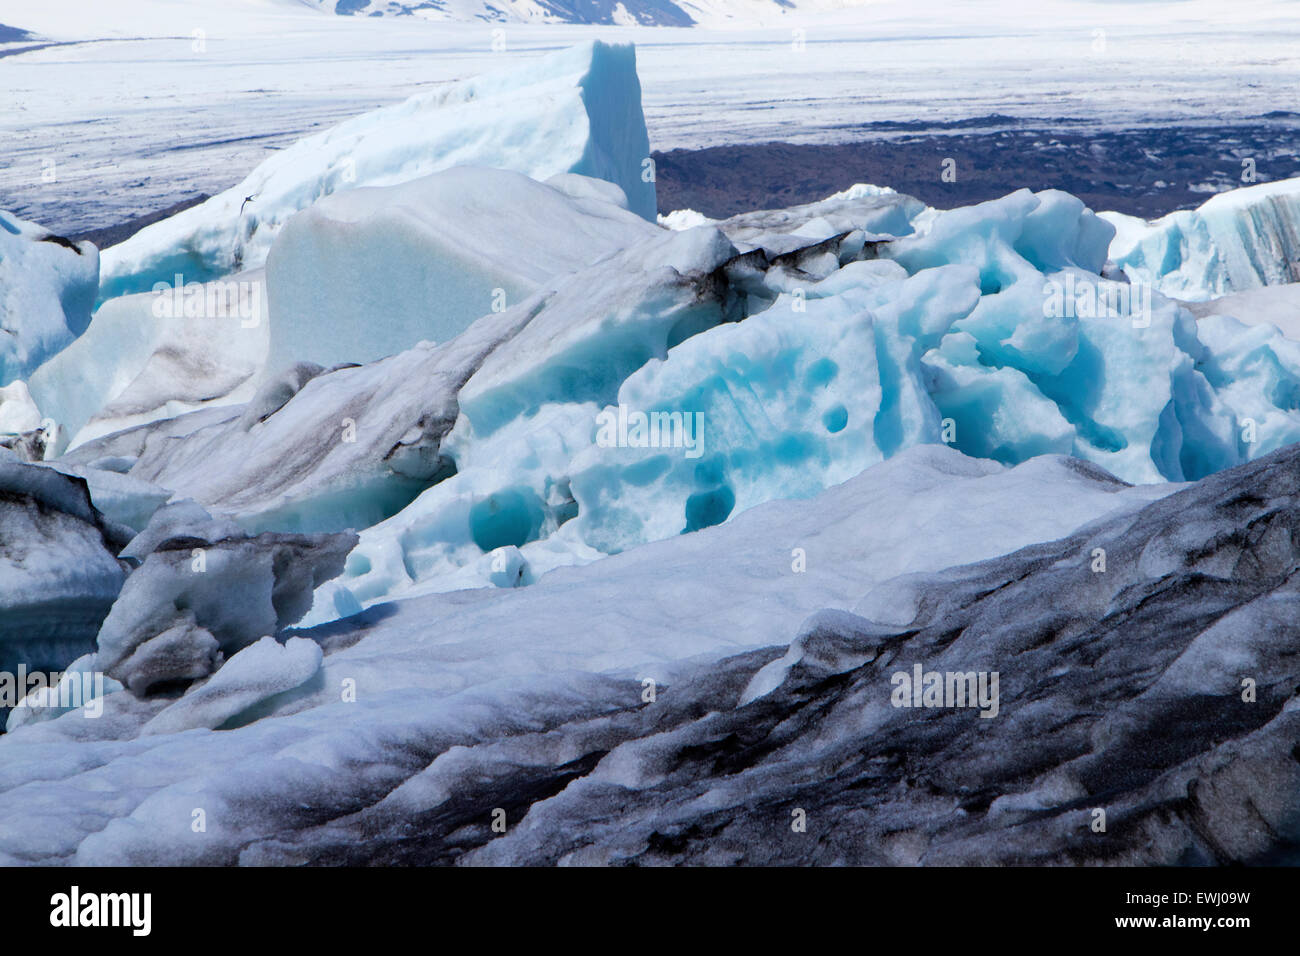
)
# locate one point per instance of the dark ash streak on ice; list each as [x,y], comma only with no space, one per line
[1120,690]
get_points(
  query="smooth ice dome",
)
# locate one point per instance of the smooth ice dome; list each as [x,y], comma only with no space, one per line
[573,111]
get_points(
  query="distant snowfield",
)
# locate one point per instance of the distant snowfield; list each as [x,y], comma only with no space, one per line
[131,111]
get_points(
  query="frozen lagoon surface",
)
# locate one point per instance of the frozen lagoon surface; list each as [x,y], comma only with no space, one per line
[270,74]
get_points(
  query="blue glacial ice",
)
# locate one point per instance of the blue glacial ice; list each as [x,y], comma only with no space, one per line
[152,356]
[191,345]
[442,234]
[795,352]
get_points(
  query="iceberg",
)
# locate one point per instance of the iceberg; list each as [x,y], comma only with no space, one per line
[190,345]
[988,328]
[1236,241]
[47,290]
[573,111]
[657,382]
[315,450]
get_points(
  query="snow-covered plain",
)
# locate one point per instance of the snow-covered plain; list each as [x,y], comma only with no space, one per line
[629,13]
[268,74]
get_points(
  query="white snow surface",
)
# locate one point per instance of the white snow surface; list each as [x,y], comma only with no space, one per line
[620,12]
[838,363]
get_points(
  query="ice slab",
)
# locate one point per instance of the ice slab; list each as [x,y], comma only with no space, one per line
[158,354]
[368,272]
